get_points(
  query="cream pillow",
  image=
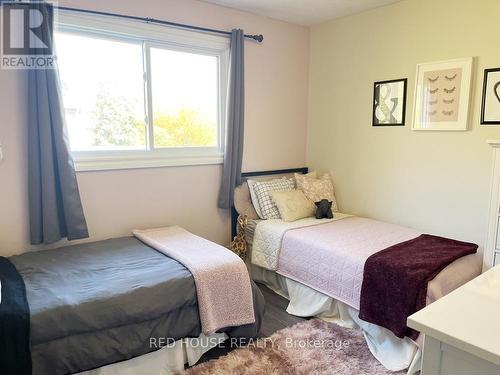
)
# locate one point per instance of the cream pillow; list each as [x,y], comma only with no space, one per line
[263,189]
[293,205]
[317,189]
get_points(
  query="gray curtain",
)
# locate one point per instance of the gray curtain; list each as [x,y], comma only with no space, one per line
[233,155]
[55,208]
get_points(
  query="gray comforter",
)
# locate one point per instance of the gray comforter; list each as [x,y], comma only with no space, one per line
[100,303]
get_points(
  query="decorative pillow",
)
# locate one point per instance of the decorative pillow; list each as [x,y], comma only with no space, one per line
[262,190]
[312,174]
[300,179]
[317,189]
[253,197]
[293,205]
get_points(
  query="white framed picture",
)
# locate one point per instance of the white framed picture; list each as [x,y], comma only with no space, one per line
[442,93]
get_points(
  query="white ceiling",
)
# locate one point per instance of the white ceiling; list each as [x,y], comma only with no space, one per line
[303,12]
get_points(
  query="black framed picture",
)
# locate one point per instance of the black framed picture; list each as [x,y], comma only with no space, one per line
[389,102]
[490,109]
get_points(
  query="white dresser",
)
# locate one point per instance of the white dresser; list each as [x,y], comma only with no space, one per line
[492,248]
[462,329]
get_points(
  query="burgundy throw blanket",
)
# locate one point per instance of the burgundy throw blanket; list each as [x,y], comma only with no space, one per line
[395,279]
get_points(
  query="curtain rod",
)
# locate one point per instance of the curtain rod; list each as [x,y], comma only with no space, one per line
[259,38]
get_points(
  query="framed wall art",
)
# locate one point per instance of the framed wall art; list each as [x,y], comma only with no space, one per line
[490,110]
[389,103]
[442,92]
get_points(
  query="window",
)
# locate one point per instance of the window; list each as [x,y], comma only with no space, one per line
[141,95]
[103,97]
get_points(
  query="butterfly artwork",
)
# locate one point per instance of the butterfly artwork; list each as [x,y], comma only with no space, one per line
[442,93]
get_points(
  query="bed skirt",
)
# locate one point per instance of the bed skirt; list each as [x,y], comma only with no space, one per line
[392,352]
[168,360]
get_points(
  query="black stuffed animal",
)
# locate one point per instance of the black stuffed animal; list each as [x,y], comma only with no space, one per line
[324,209]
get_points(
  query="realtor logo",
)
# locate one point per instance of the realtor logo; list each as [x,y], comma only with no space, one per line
[27,32]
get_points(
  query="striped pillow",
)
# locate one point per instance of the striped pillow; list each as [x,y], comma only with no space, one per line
[262,190]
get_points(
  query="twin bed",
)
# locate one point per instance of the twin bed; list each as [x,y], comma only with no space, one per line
[130,306]
[321,267]
[113,307]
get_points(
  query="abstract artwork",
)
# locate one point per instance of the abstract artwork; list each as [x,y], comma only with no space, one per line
[442,95]
[490,111]
[389,103]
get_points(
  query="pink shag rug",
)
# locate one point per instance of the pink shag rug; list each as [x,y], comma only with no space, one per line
[310,347]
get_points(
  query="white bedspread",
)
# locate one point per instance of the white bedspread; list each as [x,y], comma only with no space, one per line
[327,255]
[330,258]
[269,234]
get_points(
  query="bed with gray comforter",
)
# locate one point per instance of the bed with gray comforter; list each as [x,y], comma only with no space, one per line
[100,303]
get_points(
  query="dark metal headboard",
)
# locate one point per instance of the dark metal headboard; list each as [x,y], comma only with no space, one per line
[246,175]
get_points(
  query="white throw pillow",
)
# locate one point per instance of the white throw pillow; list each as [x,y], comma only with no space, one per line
[253,197]
[262,190]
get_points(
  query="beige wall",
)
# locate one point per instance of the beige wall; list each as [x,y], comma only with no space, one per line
[117,201]
[436,182]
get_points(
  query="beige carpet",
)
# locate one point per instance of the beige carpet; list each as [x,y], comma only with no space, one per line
[310,347]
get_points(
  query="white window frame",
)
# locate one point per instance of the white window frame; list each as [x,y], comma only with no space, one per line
[152,36]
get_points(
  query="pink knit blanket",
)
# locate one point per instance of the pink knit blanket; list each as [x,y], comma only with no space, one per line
[222,282]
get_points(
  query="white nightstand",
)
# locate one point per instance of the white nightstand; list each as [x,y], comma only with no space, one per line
[462,329]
